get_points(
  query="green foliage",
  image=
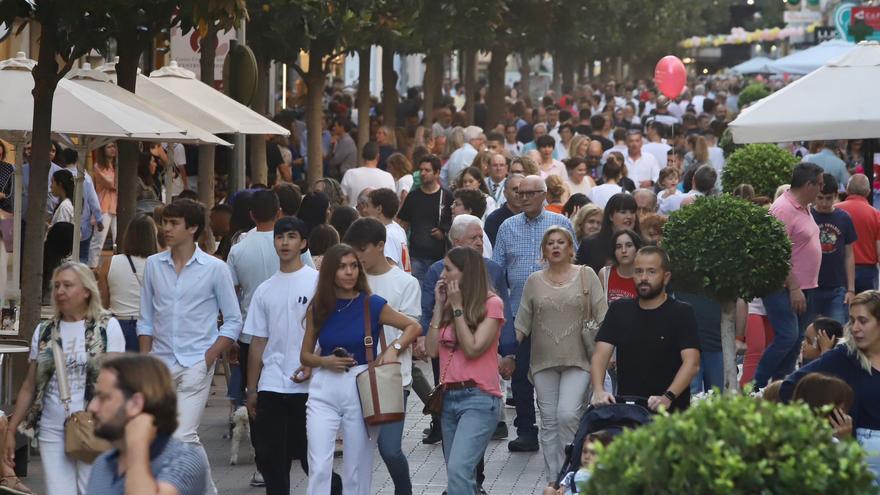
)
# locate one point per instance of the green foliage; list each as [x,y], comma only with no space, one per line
[726,248]
[726,143]
[752,93]
[764,166]
[732,444]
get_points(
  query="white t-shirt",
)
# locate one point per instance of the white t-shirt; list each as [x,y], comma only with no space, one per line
[403,294]
[125,285]
[357,179]
[396,247]
[73,341]
[601,194]
[63,213]
[658,151]
[582,188]
[556,168]
[645,168]
[404,183]
[277,313]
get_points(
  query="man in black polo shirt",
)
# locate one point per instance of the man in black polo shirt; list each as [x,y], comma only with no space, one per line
[655,337]
[426,213]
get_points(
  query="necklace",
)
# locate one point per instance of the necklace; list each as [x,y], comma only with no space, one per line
[566,278]
[340,310]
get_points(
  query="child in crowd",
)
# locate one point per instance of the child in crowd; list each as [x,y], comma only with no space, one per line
[580,475]
[668,182]
[819,391]
[820,337]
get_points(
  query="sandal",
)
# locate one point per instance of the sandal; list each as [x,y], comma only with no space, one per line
[13,485]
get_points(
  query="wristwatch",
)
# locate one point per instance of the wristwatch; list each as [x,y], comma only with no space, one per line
[396,345]
[457,312]
[670,395]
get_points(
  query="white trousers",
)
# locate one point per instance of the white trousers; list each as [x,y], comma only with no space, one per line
[193,388]
[99,237]
[63,475]
[561,394]
[334,403]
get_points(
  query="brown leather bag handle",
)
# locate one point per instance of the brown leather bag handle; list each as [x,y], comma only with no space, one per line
[368,337]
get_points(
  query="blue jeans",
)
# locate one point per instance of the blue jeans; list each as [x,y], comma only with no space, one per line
[829,302]
[420,267]
[524,393]
[866,278]
[390,436]
[781,355]
[129,331]
[84,246]
[469,418]
[711,372]
[870,441]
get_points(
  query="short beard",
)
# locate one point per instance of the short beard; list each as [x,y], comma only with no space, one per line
[652,293]
[114,429]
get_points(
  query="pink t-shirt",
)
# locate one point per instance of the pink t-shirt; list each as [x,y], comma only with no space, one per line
[806,251]
[483,369]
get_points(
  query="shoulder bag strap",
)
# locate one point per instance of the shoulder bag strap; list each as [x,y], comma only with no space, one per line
[588,304]
[368,337]
[131,264]
[60,369]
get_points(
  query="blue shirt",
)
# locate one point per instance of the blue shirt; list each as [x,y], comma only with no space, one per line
[518,249]
[839,362]
[836,232]
[90,207]
[171,461]
[831,164]
[345,327]
[180,311]
[499,285]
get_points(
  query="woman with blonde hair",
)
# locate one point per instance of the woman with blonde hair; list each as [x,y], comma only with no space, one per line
[697,155]
[483,161]
[587,221]
[578,146]
[453,142]
[401,169]
[557,193]
[856,361]
[87,334]
[524,165]
[556,302]
[104,174]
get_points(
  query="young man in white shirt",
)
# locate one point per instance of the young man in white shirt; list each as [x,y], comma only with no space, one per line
[367,175]
[382,204]
[643,167]
[402,291]
[184,289]
[277,383]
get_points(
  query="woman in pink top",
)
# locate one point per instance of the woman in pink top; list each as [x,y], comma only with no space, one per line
[104,175]
[464,333]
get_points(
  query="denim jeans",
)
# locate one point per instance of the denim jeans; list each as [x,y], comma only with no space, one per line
[829,302]
[129,331]
[781,355]
[84,249]
[390,436]
[870,441]
[866,278]
[524,393]
[469,418]
[420,267]
[711,372]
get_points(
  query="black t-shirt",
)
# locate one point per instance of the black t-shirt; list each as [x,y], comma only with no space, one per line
[424,212]
[649,344]
[607,144]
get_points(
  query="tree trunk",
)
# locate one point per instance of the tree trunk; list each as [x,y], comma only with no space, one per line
[45,82]
[728,345]
[497,89]
[567,66]
[315,113]
[431,61]
[129,50]
[524,75]
[470,83]
[207,56]
[257,142]
[363,100]
[390,96]
[556,82]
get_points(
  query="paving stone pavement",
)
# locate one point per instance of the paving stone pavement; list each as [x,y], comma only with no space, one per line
[506,472]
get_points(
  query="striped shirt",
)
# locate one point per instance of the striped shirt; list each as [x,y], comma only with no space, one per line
[518,249]
[171,461]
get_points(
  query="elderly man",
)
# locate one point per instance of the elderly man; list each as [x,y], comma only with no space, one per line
[867,223]
[518,250]
[646,201]
[474,139]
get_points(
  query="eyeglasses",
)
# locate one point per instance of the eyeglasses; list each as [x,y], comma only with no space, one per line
[528,194]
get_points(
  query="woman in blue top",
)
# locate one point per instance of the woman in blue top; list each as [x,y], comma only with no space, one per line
[857,362]
[335,322]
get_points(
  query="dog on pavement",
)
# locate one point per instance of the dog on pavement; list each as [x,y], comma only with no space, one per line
[241,432]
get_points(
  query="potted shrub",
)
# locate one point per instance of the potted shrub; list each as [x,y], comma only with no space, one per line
[752,93]
[726,248]
[732,444]
[764,166]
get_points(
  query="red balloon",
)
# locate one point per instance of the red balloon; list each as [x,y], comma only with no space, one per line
[670,76]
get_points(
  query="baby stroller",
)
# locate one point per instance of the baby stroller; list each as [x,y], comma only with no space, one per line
[626,412]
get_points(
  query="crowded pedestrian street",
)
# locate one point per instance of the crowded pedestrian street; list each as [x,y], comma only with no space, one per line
[439,247]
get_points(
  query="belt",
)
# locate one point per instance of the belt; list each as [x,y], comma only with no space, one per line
[459,385]
[125,318]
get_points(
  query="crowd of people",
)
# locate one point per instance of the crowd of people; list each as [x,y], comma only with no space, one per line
[522,259]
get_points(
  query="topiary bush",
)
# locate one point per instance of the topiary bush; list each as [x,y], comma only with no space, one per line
[764,166]
[733,445]
[752,93]
[726,248]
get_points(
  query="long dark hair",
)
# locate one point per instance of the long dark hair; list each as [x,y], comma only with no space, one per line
[140,237]
[324,301]
[64,178]
[618,202]
[636,239]
[474,284]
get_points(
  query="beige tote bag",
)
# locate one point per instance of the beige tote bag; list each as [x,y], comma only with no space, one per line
[380,386]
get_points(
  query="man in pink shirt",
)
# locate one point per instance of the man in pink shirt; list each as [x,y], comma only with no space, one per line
[789,309]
